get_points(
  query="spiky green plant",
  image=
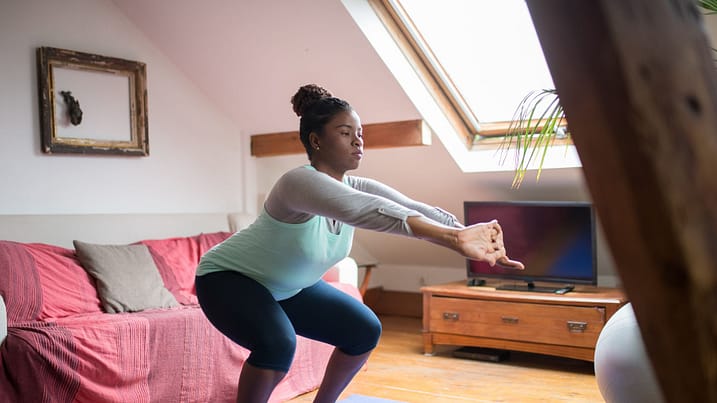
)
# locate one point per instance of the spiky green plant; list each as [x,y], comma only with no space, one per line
[537,122]
[709,5]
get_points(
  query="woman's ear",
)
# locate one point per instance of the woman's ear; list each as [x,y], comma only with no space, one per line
[314,140]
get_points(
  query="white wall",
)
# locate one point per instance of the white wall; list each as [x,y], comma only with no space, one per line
[195,162]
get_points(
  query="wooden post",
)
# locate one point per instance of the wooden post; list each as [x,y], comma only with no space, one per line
[637,81]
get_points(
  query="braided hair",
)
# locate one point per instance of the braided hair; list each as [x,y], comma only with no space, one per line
[315,106]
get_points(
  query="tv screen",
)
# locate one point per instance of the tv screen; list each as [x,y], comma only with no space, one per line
[555,241]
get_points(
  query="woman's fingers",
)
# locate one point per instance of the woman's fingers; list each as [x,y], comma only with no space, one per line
[506,263]
[498,247]
[484,242]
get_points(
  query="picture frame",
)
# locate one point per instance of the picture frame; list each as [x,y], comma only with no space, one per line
[91,104]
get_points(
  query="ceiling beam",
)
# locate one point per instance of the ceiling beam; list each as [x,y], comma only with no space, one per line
[638,84]
[376,135]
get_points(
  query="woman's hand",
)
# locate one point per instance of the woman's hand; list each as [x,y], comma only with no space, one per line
[484,242]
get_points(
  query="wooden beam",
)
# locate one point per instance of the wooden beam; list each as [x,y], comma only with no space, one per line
[376,135]
[637,81]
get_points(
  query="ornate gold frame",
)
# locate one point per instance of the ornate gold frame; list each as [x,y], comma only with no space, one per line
[58,106]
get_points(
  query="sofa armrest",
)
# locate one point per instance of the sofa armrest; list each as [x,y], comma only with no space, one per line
[345,271]
[239,221]
[3,320]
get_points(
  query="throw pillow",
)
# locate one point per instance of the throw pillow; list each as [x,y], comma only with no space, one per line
[126,276]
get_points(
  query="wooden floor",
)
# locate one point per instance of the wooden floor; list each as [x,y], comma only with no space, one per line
[398,370]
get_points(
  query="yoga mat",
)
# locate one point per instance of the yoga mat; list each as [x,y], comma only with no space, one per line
[366,399]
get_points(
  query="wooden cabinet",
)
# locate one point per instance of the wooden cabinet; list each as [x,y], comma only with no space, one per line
[565,325]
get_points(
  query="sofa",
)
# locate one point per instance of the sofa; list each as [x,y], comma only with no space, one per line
[89,320]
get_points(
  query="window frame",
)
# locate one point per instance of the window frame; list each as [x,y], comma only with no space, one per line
[407,36]
[434,106]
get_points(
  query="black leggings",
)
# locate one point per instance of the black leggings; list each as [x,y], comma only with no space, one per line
[247,313]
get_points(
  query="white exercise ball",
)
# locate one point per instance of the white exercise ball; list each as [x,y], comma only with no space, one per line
[623,371]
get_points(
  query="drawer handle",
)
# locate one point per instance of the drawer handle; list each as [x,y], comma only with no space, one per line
[509,319]
[577,327]
[450,316]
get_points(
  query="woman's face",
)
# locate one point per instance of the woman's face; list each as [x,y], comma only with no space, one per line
[340,148]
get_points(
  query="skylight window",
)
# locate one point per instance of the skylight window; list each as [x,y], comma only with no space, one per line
[488,50]
[466,65]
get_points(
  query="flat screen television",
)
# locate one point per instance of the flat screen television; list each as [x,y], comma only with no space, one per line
[556,241]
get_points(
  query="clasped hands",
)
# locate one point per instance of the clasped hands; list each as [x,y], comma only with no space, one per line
[484,242]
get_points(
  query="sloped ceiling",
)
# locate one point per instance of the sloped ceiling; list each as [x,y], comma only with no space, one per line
[250,56]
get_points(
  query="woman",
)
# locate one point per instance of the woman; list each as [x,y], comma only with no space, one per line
[262,286]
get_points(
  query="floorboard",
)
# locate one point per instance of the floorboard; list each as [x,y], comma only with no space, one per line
[399,370]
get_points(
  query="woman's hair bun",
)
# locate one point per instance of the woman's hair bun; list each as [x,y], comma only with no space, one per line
[307,95]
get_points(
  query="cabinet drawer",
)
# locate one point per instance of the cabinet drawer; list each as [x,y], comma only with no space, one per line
[529,322]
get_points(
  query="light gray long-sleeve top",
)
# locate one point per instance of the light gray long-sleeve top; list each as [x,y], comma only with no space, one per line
[307,226]
[365,203]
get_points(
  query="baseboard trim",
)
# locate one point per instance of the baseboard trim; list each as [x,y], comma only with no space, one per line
[394,303]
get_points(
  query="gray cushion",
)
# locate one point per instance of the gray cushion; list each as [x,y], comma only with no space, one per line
[126,276]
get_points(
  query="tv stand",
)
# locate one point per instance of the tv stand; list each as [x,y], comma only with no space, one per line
[547,323]
[530,286]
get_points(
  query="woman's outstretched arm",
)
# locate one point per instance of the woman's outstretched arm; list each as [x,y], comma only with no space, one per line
[303,192]
[482,241]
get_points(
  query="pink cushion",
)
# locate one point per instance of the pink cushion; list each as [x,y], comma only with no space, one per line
[44,282]
[67,289]
[177,260]
[332,275]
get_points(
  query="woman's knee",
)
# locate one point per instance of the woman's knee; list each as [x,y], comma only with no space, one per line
[275,352]
[373,326]
[364,337]
[373,330]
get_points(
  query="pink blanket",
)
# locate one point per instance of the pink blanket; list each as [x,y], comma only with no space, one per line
[173,354]
[62,348]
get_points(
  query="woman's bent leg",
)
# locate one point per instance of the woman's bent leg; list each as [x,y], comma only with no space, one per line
[339,372]
[247,313]
[322,312]
[256,384]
